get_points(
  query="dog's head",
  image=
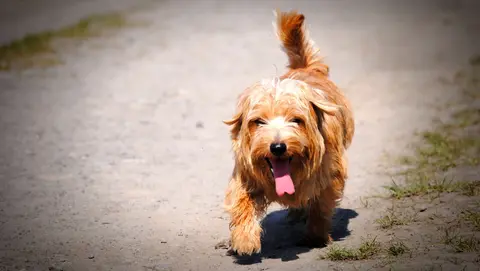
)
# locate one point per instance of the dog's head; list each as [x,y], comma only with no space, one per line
[276,132]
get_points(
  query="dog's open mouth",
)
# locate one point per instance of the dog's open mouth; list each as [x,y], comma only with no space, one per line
[281,173]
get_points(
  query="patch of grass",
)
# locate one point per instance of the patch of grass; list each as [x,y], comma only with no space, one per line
[397,248]
[448,145]
[93,26]
[467,117]
[440,150]
[473,217]
[459,243]
[368,249]
[406,160]
[37,50]
[394,217]
[337,253]
[390,220]
[446,151]
[469,188]
[426,187]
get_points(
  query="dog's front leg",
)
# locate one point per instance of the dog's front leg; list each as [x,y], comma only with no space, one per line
[296,215]
[319,220]
[245,210]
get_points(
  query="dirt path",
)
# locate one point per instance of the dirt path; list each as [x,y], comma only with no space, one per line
[118,159]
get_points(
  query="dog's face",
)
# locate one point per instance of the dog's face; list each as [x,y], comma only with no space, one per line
[277,132]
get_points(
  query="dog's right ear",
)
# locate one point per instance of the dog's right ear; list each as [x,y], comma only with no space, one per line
[236,118]
[236,123]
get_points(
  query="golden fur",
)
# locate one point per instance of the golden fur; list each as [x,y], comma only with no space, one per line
[307,112]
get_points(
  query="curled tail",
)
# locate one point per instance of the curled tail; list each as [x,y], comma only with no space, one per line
[300,49]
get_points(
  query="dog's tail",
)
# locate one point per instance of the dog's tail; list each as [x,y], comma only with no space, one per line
[293,35]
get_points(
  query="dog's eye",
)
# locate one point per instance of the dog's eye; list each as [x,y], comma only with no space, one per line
[259,122]
[297,120]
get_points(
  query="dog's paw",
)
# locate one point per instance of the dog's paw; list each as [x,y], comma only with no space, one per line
[315,242]
[246,243]
[246,247]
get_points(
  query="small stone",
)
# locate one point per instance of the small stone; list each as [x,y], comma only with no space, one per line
[91,257]
[224,244]
[163,242]
[423,209]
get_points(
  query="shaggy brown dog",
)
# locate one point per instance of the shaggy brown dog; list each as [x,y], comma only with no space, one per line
[289,138]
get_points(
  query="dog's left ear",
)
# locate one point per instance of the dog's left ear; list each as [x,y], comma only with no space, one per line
[320,103]
[326,107]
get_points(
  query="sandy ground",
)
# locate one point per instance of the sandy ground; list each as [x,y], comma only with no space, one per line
[118,160]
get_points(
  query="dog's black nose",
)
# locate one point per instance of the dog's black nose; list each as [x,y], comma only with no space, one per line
[278,149]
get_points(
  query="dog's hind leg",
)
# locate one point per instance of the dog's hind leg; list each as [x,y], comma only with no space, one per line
[245,211]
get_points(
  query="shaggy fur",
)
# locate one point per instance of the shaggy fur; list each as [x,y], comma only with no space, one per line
[304,110]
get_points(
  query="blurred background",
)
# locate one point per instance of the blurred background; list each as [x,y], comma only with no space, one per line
[113,154]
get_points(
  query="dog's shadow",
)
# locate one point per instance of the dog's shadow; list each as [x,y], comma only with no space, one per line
[279,240]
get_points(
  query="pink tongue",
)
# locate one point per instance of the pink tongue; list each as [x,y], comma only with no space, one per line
[281,173]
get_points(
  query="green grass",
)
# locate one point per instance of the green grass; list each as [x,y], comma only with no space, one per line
[470,188]
[392,219]
[473,217]
[441,149]
[397,248]
[422,187]
[436,164]
[450,144]
[367,249]
[460,243]
[37,50]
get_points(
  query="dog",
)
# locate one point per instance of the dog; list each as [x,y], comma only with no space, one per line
[289,139]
